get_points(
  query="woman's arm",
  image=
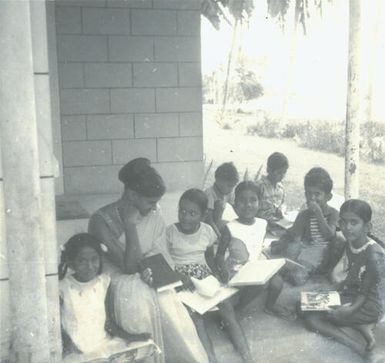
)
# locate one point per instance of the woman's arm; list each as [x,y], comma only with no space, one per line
[99,228]
[133,252]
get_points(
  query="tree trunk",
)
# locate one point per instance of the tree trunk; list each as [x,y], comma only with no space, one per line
[228,70]
[353,103]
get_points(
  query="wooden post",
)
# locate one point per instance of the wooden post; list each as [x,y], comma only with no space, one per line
[19,153]
[47,188]
[353,104]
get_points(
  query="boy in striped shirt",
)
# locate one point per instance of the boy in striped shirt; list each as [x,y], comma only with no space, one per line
[310,239]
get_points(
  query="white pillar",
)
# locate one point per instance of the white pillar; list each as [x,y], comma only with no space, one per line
[19,153]
[47,187]
[353,104]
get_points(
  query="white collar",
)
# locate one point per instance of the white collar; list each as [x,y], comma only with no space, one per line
[356,251]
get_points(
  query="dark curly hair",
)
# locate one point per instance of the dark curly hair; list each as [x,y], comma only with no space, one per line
[319,178]
[140,176]
[72,248]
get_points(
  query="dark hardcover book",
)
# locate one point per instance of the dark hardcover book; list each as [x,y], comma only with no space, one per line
[164,277]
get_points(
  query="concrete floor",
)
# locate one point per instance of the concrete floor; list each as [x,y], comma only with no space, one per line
[271,339]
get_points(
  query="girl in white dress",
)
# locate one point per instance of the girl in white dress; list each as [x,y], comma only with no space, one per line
[88,332]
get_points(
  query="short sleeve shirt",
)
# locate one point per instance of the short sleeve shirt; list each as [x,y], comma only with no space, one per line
[190,248]
[271,197]
[213,196]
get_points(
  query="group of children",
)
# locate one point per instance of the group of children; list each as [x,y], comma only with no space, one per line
[202,243]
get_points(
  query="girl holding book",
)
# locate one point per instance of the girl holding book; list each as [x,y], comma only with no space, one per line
[190,242]
[133,228]
[361,291]
[87,328]
[243,238]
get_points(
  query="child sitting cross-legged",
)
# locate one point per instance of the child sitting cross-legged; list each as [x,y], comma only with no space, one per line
[88,332]
[190,243]
[362,305]
[313,234]
[243,238]
[221,193]
[271,190]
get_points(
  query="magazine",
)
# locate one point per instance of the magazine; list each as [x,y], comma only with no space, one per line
[319,301]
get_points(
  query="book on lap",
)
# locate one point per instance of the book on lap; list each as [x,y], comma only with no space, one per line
[257,272]
[164,277]
[208,294]
[319,301]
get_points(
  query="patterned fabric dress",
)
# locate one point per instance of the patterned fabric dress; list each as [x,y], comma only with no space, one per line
[188,250]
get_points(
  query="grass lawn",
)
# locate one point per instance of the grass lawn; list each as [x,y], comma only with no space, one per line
[251,152]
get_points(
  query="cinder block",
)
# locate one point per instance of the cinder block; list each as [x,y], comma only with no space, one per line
[178,99]
[181,175]
[93,3]
[155,74]
[106,21]
[80,48]
[68,20]
[73,128]
[125,150]
[110,127]
[140,4]
[180,149]
[177,4]
[132,100]
[105,75]
[71,75]
[190,124]
[190,74]
[85,153]
[92,180]
[156,125]
[131,49]
[177,49]
[153,22]
[84,101]
[189,22]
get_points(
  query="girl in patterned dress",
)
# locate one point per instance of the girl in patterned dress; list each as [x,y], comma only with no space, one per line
[190,242]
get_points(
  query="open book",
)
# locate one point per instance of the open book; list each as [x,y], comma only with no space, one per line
[319,301]
[257,272]
[164,277]
[208,293]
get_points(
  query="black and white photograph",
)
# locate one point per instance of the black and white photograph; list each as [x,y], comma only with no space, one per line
[192,181]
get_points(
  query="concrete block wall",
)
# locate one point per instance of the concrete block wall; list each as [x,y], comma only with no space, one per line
[130,85]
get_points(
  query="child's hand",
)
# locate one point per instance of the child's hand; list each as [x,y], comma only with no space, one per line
[340,312]
[146,276]
[278,214]
[315,208]
[224,276]
[187,283]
